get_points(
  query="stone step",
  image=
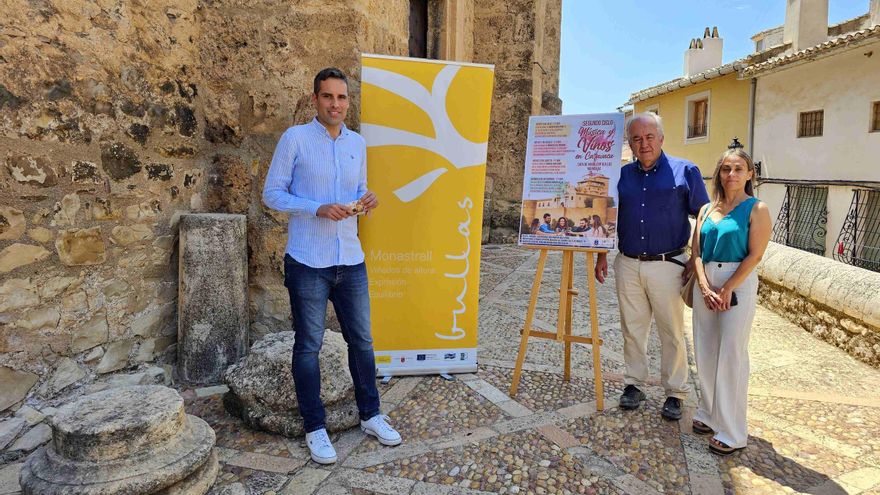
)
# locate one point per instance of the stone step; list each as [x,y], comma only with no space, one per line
[117,423]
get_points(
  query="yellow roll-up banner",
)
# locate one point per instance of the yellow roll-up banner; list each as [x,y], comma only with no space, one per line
[426,123]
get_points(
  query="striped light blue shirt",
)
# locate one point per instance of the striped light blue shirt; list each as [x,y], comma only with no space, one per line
[309,169]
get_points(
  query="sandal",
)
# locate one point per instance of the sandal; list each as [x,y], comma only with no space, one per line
[701,428]
[721,448]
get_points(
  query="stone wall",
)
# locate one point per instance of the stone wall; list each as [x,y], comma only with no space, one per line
[521,37]
[118,117]
[836,302]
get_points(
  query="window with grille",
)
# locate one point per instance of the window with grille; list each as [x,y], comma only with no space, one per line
[802,218]
[811,123]
[696,117]
[875,117]
[697,127]
[859,240]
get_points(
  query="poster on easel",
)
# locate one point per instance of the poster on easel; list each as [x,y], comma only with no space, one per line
[570,183]
[426,126]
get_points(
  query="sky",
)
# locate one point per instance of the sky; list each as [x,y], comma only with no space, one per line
[611,49]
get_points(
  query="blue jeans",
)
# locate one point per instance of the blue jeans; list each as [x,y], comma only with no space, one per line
[348,289]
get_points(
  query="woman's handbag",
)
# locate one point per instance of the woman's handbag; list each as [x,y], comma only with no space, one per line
[687,290]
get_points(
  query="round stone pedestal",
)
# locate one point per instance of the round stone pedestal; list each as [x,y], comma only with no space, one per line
[262,394]
[130,440]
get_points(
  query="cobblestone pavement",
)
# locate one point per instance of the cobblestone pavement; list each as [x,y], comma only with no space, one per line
[814,417]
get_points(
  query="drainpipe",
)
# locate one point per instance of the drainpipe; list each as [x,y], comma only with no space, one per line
[752,89]
[753,86]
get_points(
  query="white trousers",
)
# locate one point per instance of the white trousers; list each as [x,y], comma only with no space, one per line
[721,345]
[647,289]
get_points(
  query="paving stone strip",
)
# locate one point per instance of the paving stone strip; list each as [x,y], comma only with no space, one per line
[807,434]
[817,397]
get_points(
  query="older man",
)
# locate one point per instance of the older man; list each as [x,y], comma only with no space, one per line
[656,194]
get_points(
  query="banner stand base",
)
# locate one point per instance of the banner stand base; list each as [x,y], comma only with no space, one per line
[406,371]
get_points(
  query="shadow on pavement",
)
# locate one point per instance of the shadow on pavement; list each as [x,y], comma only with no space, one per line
[742,472]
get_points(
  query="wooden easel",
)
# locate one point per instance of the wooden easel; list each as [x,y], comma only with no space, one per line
[563,322]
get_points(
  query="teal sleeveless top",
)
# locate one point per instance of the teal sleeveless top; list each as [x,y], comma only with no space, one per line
[727,240]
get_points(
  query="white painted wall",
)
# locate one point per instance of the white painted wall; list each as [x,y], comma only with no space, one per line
[806,23]
[844,86]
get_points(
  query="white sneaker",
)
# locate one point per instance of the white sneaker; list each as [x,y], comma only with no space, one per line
[320,447]
[378,427]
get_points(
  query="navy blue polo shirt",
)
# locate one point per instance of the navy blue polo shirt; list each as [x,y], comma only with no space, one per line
[655,204]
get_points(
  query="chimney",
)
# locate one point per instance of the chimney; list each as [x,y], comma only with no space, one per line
[704,54]
[806,23]
[874,13]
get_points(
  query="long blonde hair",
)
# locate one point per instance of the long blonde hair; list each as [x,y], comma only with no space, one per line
[718,189]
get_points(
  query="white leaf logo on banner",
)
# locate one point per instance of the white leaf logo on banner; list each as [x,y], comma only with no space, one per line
[448,143]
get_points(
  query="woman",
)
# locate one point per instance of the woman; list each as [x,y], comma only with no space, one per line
[562,226]
[533,229]
[597,229]
[731,235]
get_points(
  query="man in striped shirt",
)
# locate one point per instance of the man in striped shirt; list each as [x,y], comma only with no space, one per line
[318,174]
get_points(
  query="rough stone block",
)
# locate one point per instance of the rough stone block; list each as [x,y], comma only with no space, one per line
[69,207]
[66,373]
[119,161]
[262,391]
[10,429]
[9,478]
[14,386]
[84,172]
[36,436]
[115,356]
[75,302]
[29,414]
[150,322]
[18,293]
[130,234]
[92,333]
[17,255]
[55,285]
[213,315]
[34,171]
[93,355]
[81,247]
[145,351]
[39,318]
[40,234]
[147,377]
[12,223]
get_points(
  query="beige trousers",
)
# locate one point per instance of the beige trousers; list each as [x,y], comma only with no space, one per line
[721,346]
[647,289]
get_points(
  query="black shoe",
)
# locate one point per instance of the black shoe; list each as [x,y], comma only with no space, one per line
[671,409]
[631,397]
